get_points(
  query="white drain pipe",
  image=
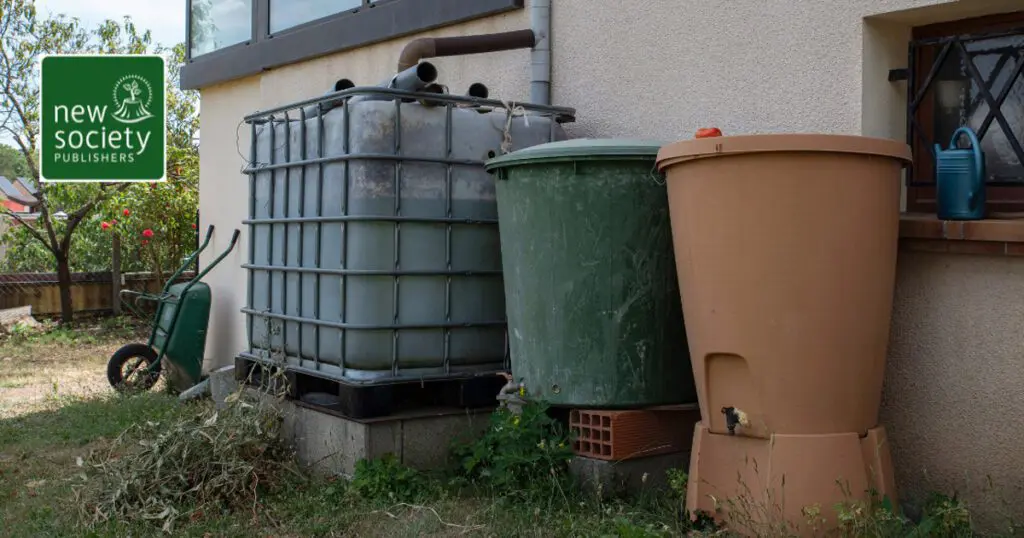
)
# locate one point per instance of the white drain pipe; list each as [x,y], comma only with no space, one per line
[540,56]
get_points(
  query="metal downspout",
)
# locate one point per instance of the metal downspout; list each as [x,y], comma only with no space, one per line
[540,56]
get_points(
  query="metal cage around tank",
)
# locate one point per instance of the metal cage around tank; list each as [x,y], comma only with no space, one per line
[374,254]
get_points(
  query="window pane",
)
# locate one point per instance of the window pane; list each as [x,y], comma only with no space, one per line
[216,24]
[958,101]
[285,14]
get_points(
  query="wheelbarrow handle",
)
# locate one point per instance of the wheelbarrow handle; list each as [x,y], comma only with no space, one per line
[189,260]
[218,259]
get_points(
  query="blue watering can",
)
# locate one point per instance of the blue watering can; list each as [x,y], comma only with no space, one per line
[960,179]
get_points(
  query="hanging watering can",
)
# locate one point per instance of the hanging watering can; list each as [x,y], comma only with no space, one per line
[960,179]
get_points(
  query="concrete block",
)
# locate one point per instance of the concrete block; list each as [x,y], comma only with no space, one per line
[609,478]
[331,444]
[222,383]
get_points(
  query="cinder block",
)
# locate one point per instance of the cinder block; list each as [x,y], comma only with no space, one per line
[624,435]
[609,478]
[331,444]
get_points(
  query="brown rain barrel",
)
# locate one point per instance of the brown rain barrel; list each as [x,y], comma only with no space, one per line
[785,247]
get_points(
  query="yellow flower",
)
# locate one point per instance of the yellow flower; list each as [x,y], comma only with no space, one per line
[561,445]
[522,390]
[515,420]
[540,444]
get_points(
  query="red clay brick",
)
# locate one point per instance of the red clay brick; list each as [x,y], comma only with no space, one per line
[623,435]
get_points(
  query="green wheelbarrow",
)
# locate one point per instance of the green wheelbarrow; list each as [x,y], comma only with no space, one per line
[177,336]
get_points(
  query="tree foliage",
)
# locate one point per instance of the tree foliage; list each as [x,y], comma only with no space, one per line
[12,162]
[69,234]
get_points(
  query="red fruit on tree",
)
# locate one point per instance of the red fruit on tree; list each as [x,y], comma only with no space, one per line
[144,242]
[147,233]
[126,212]
[105,225]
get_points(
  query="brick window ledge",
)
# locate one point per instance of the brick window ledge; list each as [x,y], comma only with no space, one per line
[1001,235]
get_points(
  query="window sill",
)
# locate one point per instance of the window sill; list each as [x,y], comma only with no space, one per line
[1000,235]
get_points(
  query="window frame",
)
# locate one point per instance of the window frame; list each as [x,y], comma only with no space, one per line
[920,195]
[349,29]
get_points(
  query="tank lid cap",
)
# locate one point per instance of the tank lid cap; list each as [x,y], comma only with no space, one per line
[579,149]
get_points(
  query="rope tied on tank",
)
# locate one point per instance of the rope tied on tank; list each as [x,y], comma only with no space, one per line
[511,111]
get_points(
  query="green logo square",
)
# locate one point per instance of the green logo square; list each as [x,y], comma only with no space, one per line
[103,118]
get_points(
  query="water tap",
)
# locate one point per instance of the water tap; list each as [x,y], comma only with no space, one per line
[733,417]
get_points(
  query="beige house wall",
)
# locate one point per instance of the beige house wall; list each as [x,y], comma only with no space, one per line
[662,69]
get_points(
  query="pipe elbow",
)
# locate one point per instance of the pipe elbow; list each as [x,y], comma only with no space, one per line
[416,50]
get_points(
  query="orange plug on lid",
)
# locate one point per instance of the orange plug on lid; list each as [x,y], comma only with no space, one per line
[708,132]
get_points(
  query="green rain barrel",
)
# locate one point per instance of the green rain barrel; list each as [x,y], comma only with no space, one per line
[591,291]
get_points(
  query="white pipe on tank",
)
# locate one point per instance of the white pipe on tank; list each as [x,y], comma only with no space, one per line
[540,56]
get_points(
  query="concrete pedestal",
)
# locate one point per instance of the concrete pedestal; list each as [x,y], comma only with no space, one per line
[331,444]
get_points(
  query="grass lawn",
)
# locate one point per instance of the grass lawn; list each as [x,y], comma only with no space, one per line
[57,413]
[59,419]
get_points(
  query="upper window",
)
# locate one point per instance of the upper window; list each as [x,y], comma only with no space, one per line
[215,24]
[969,73]
[230,39]
[285,14]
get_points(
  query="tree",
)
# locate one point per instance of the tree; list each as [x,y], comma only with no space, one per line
[12,162]
[24,38]
[167,209]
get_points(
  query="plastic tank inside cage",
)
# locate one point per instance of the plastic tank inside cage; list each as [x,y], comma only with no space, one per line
[374,247]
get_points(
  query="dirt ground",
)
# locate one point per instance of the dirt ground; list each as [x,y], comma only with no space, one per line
[37,370]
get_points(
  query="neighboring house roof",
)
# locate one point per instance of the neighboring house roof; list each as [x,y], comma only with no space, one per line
[26,217]
[25,185]
[16,194]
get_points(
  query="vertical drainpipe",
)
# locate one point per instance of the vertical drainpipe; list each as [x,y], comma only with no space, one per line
[540,56]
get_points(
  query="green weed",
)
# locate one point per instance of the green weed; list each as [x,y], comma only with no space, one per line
[520,453]
[386,479]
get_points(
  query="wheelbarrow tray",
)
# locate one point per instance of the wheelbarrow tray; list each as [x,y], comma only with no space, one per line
[182,341]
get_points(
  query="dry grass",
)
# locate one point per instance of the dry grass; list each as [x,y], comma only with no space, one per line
[202,462]
[38,369]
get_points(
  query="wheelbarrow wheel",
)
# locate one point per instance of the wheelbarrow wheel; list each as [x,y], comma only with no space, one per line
[131,369]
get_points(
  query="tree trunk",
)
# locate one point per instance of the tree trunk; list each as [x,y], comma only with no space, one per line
[67,313]
[115,274]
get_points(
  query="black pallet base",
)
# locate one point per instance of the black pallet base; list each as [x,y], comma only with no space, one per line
[362,402]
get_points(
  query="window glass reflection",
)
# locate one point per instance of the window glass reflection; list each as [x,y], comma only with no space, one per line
[286,14]
[216,24]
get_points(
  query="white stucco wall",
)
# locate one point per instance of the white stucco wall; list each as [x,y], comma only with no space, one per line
[659,72]
[657,69]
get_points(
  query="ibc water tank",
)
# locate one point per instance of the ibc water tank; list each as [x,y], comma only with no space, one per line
[374,247]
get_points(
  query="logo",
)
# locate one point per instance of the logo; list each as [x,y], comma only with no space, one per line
[103,118]
[133,95]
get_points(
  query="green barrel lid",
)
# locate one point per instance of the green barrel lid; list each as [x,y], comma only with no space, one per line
[579,149]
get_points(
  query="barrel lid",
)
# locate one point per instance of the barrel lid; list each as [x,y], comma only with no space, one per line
[697,148]
[579,149]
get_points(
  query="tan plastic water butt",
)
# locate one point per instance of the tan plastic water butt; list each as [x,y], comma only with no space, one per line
[785,247]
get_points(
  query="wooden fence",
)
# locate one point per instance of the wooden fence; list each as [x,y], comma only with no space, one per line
[90,292]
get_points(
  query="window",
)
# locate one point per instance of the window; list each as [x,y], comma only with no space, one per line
[286,14]
[230,39]
[969,73]
[215,24]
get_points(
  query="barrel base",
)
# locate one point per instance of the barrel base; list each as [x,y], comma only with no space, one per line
[757,486]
